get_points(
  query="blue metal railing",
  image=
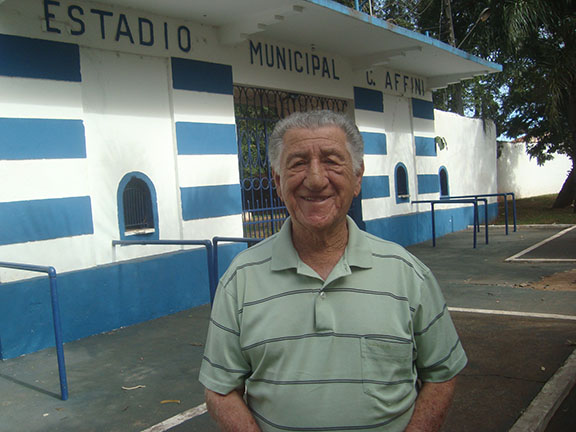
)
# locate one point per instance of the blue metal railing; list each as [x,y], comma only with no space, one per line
[504,194]
[211,253]
[206,243]
[473,201]
[51,272]
[215,242]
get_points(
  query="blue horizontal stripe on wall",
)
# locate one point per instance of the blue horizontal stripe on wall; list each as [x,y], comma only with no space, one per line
[201,76]
[26,221]
[368,99]
[428,183]
[210,201]
[374,143]
[22,138]
[206,138]
[104,298]
[36,58]
[417,227]
[375,187]
[422,109]
[425,146]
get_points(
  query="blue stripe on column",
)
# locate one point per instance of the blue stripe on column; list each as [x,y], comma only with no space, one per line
[375,187]
[368,99]
[25,221]
[206,138]
[428,183]
[36,58]
[201,76]
[422,109]
[374,143]
[22,138]
[210,201]
[425,146]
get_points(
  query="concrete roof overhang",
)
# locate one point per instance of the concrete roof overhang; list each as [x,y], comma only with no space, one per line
[367,42]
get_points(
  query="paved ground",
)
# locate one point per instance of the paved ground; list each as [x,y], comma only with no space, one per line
[138,377]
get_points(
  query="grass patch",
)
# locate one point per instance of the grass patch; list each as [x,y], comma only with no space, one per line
[537,210]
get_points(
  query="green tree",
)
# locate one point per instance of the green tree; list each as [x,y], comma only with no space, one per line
[539,57]
[534,97]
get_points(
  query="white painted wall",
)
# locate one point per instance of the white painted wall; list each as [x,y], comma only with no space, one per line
[129,111]
[470,157]
[520,174]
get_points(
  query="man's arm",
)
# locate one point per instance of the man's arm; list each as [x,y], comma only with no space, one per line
[432,406]
[230,411]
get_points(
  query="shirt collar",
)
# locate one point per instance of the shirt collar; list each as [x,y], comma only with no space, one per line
[358,252]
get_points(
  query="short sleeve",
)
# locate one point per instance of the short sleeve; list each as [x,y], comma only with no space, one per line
[440,355]
[224,368]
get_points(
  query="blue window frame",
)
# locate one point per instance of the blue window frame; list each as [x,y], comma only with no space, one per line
[401,182]
[137,208]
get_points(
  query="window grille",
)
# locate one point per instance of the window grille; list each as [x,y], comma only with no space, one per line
[401,175]
[444,190]
[138,212]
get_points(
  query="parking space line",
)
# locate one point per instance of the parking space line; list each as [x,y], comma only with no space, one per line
[514,313]
[178,419]
[537,245]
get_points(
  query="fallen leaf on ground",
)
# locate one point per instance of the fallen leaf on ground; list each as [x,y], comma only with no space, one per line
[133,388]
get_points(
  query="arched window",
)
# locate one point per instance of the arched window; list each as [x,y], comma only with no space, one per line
[401,180]
[443,176]
[137,211]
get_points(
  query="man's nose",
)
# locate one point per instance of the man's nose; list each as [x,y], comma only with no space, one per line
[316,178]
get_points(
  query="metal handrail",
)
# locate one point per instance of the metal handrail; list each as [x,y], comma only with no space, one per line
[51,272]
[215,242]
[505,195]
[458,201]
[206,243]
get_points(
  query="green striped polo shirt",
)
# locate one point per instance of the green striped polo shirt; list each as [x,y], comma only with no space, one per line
[341,354]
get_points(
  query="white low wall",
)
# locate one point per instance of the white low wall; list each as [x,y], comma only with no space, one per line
[520,174]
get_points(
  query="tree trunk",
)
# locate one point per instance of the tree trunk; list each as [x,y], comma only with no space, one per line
[448,11]
[567,194]
[457,99]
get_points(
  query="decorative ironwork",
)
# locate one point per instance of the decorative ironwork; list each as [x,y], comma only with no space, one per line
[257,110]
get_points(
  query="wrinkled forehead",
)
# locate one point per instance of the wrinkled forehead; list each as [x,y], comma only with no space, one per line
[326,138]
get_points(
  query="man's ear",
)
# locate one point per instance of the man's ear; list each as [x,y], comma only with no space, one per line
[277,183]
[358,180]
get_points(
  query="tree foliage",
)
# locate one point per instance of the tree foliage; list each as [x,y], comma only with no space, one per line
[534,98]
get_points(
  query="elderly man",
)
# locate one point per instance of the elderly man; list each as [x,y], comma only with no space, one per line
[323,327]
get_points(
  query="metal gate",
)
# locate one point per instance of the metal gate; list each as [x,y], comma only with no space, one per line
[257,110]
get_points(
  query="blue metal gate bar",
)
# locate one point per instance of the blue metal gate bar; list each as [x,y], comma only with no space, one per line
[51,272]
[215,242]
[457,201]
[206,243]
[505,195]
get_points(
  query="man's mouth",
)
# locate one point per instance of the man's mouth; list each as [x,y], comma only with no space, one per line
[315,199]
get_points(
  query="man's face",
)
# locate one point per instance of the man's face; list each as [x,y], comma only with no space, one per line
[316,180]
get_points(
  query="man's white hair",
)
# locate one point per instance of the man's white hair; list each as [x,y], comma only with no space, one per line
[315,120]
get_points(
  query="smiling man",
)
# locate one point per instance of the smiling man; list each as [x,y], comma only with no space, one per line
[324,327]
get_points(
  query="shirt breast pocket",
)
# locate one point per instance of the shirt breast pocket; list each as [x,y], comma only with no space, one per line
[387,369]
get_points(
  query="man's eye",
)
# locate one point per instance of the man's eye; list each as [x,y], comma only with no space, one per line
[297,163]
